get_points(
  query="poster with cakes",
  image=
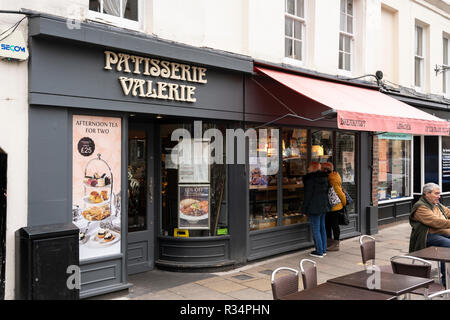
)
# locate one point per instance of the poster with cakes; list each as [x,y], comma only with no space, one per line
[96,184]
[194,206]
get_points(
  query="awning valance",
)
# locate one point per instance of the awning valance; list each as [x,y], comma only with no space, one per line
[360,108]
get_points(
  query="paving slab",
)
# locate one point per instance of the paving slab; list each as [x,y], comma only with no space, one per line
[252,281]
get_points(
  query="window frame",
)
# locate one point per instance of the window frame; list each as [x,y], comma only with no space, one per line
[421,57]
[343,32]
[411,174]
[119,21]
[446,73]
[290,59]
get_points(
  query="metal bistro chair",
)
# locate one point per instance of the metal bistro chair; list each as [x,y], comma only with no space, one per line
[439,294]
[309,274]
[368,253]
[284,285]
[422,269]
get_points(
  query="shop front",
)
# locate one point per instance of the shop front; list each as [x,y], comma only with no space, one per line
[408,162]
[112,116]
[367,135]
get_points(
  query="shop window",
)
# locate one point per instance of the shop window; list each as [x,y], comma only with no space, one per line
[431,146]
[394,163]
[193,194]
[123,12]
[295,163]
[263,182]
[294,29]
[137,180]
[345,164]
[445,164]
[322,146]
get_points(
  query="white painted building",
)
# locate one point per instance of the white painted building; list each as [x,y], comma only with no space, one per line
[406,39]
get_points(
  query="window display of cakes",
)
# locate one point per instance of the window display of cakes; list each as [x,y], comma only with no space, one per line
[97,205]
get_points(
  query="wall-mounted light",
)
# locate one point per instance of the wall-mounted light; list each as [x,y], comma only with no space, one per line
[439,69]
[159,116]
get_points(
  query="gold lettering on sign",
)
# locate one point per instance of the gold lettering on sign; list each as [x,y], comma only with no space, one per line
[148,67]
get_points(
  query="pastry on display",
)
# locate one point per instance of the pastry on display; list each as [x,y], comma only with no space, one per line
[101,233]
[97,180]
[109,237]
[95,197]
[96,213]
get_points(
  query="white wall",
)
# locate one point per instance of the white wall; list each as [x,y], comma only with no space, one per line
[14,141]
[14,120]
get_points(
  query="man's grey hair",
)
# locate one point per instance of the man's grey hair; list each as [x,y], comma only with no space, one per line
[429,187]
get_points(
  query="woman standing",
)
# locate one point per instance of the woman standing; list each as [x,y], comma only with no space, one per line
[332,217]
[315,205]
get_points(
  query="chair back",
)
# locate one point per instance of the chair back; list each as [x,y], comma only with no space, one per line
[367,249]
[420,269]
[284,285]
[309,273]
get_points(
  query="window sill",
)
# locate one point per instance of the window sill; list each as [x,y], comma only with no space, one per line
[294,62]
[114,21]
[395,200]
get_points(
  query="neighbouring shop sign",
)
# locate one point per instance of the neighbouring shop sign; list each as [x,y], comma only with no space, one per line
[159,72]
[395,136]
[96,184]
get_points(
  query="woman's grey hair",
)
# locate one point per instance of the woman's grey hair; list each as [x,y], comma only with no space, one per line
[429,187]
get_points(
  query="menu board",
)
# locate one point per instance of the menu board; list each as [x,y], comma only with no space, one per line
[194,206]
[96,184]
[445,164]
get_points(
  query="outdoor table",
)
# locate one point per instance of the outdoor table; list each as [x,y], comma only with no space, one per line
[331,291]
[389,283]
[440,254]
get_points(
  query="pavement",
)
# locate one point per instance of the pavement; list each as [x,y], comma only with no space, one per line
[252,281]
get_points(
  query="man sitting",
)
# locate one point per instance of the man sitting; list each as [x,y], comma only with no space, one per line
[429,222]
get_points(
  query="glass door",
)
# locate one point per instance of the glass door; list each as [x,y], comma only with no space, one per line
[140,198]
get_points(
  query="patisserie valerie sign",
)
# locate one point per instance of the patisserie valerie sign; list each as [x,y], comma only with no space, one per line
[96,184]
[157,73]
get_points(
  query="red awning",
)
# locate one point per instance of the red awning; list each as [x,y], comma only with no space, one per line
[362,109]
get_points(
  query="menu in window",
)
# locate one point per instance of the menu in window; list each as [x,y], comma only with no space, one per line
[193,162]
[445,164]
[348,160]
[194,206]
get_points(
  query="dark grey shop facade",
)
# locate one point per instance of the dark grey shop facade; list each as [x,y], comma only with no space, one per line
[140,90]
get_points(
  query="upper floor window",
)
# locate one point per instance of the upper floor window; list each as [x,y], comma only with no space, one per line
[123,12]
[419,57]
[346,35]
[445,62]
[294,29]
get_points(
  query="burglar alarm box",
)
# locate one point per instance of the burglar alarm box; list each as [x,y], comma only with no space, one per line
[47,262]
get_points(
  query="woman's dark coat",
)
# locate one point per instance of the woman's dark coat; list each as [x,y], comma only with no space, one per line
[316,193]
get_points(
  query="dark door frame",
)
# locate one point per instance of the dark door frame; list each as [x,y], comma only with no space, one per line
[138,241]
[3,171]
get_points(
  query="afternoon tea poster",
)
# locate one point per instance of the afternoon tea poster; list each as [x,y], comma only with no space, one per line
[96,184]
